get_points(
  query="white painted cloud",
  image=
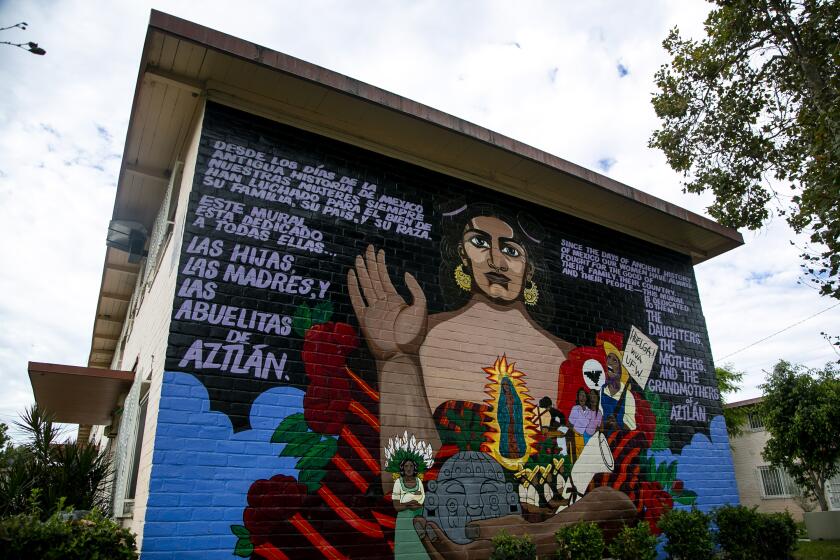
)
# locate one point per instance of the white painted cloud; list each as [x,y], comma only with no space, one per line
[548,76]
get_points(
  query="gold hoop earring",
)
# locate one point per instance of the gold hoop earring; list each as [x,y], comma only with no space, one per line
[531,295]
[463,279]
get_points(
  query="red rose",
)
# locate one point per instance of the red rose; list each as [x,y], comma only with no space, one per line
[654,501]
[270,504]
[324,353]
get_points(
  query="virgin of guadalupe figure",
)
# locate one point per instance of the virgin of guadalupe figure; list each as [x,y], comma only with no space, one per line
[488,352]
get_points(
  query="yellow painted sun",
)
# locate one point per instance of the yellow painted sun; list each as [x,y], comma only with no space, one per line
[509,418]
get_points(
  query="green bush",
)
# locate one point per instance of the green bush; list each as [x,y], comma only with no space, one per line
[509,547]
[744,534]
[93,537]
[737,532]
[779,536]
[688,535]
[581,541]
[634,543]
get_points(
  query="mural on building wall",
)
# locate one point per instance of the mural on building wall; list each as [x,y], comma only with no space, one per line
[466,363]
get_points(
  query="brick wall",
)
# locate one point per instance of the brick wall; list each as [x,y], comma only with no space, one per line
[341,317]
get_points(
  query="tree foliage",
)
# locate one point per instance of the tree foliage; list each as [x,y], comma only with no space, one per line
[50,471]
[751,113]
[729,381]
[801,413]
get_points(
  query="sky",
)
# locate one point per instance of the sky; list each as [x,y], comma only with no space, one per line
[571,78]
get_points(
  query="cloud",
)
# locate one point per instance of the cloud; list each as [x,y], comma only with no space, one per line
[604,164]
[198,459]
[714,486]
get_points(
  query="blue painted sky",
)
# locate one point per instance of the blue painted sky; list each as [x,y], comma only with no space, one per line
[205,463]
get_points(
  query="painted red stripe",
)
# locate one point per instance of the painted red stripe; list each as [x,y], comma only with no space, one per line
[356,408]
[314,537]
[366,527]
[270,552]
[350,473]
[385,520]
[362,385]
[360,450]
[624,471]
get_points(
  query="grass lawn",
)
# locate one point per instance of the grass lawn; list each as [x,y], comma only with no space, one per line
[818,550]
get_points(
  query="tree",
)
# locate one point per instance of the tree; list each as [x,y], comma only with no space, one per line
[753,110]
[50,472]
[801,413]
[728,381]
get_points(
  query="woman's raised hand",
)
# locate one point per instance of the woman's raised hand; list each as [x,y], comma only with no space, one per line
[389,324]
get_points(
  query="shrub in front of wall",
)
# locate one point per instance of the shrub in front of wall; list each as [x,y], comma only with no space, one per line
[634,543]
[737,532]
[688,535]
[93,537]
[581,541]
[509,547]
[778,536]
[745,534]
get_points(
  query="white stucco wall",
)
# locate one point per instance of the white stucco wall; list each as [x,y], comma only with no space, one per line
[746,454]
[147,341]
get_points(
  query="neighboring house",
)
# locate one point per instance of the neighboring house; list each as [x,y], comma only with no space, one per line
[268,384]
[759,484]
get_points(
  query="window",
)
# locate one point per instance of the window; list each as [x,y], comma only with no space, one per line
[129,448]
[138,447]
[754,420]
[832,489]
[776,483]
[162,227]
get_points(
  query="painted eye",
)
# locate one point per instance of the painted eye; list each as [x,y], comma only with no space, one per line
[511,251]
[480,242]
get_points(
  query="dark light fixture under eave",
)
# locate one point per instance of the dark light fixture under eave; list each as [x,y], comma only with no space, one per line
[128,236]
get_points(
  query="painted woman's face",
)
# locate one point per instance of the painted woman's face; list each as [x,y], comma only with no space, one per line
[499,264]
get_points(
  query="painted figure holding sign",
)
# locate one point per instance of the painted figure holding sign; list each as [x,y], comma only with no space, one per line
[618,405]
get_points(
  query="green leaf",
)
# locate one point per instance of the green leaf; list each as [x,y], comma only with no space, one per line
[289,429]
[661,471]
[244,548]
[311,478]
[319,455]
[687,498]
[302,320]
[671,474]
[240,531]
[322,312]
[300,445]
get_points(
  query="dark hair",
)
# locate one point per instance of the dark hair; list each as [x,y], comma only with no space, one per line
[597,401]
[526,231]
[585,395]
[404,462]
